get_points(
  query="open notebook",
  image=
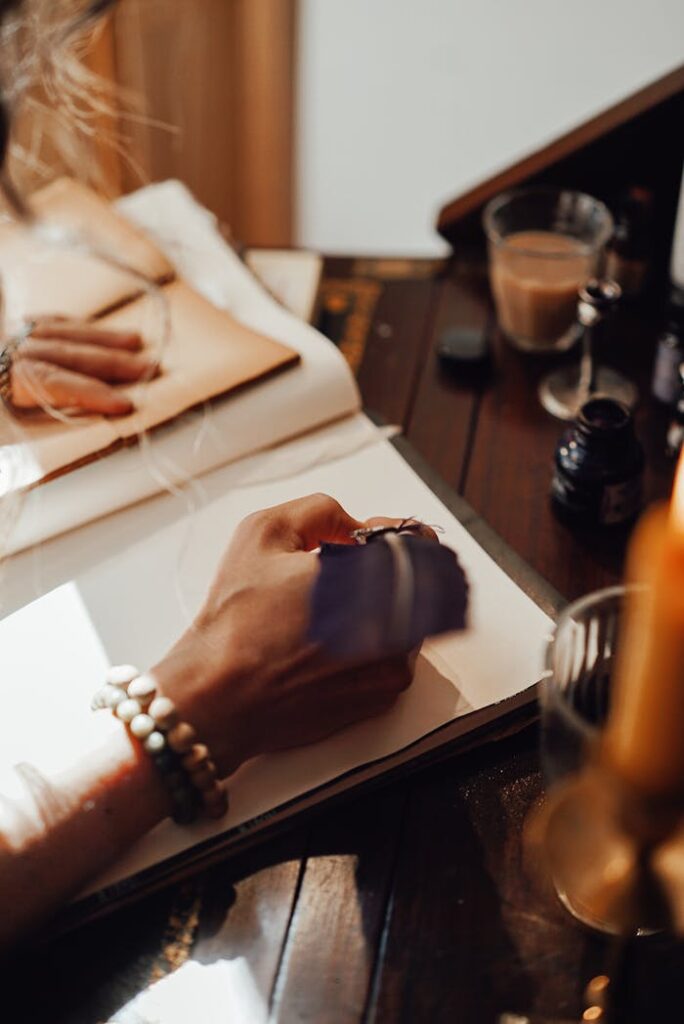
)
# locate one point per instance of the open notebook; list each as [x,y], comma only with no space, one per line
[122,586]
[227,331]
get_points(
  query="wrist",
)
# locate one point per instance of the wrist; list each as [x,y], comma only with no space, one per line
[152,717]
[132,775]
[207,696]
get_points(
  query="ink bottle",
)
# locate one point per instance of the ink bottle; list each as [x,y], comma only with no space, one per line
[669,351]
[675,433]
[599,464]
[629,251]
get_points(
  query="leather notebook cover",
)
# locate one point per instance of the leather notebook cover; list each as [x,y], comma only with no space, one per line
[45,273]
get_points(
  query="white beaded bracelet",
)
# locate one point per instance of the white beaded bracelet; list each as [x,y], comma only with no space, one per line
[185,765]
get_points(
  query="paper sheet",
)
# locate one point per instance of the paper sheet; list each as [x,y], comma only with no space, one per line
[292,276]
[133,580]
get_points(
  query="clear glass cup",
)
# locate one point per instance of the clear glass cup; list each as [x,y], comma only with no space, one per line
[593,864]
[544,244]
[575,691]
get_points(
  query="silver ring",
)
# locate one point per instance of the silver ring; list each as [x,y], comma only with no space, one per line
[366,534]
[7,357]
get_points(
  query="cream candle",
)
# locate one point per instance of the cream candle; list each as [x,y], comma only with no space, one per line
[644,738]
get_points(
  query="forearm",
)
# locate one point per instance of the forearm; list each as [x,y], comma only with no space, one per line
[246,679]
[70,828]
[66,829]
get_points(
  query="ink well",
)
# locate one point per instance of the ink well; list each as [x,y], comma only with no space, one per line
[599,465]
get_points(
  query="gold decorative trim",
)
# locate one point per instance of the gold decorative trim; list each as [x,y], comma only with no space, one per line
[355,300]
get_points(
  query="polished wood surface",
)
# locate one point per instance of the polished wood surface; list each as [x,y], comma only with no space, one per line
[415,902]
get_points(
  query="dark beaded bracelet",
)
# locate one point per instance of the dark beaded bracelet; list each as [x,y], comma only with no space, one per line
[185,766]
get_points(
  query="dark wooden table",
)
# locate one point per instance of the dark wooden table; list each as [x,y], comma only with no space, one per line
[414,902]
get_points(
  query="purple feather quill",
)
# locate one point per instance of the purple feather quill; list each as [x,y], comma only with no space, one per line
[385,597]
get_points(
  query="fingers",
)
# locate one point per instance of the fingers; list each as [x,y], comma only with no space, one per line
[368,691]
[388,678]
[62,329]
[310,709]
[36,384]
[306,523]
[359,693]
[108,364]
[301,525]
[357,684]
[420,529]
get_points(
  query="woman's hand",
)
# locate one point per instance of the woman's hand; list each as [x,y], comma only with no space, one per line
[244,675]
[71,365]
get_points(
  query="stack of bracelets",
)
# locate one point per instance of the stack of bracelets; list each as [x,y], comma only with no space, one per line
[185,765]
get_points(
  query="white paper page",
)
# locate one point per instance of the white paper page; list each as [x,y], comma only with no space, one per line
[141,573]
[175,455]
[292,276]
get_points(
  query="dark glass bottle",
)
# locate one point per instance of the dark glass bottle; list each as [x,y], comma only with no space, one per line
[599,466]
[675,433]
[629,251]
[669,351]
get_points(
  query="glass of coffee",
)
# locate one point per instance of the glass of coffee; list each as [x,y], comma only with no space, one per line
[544,244]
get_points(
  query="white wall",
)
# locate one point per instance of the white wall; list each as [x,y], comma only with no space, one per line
[402,104]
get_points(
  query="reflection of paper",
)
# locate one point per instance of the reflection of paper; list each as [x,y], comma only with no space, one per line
[142,573]
[220,993]
[319,390]
[206,353]
[59,624]
[44,273]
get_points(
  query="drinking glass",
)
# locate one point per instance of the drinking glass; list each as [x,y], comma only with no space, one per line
[544,245]
[575,691]
[592,861]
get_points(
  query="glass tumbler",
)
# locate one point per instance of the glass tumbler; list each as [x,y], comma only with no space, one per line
[544,245]
[575,691]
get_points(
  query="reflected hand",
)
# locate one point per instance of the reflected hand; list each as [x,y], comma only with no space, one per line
[71,364]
